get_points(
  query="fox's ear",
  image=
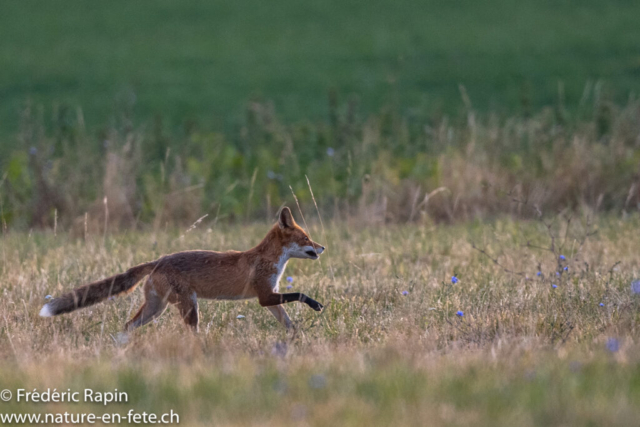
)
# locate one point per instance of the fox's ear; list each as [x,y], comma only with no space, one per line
[286,218]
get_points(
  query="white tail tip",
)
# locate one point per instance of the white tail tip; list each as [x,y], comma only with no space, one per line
[46,311]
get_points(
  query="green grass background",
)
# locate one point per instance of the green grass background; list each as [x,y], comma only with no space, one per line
[205,60]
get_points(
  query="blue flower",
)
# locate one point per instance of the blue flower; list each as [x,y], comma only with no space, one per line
[554,286]
[239,316]
[539,273]
[566,268]
[405,293]
[289,279]
[317,381]
[279,349]
[459,313]
[635,286]
[454,279]
[48,297]
[330,152]
[601,304]
[613,345]
[557,273]
[562,257]
[289,286]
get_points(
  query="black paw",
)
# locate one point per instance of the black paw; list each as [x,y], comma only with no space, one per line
[316,305]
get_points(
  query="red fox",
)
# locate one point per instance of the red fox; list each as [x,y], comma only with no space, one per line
[183,277]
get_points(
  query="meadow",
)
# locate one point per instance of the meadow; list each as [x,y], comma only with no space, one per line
[472,167]
[517,339]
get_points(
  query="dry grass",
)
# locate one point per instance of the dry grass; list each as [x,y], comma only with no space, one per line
[522,354]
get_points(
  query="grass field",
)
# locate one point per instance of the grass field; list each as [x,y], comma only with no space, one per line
[524,353]
[198,60]
[173,110]
[476,165]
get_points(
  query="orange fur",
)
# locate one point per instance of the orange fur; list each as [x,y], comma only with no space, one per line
[181,278]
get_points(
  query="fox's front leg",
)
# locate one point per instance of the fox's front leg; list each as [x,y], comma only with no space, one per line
[276,299]
[281,314]
[268,298]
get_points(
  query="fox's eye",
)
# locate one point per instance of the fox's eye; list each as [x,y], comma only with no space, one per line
[306,239]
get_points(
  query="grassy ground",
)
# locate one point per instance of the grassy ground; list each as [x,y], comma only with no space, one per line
[524,353]
[204,60]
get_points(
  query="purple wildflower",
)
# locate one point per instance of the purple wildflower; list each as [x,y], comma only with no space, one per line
[279,349]
[318,381]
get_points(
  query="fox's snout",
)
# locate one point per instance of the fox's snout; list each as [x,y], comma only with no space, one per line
[314,250]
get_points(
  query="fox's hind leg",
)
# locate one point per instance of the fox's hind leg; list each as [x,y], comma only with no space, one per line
[150,310]
[188,306]
[154,305]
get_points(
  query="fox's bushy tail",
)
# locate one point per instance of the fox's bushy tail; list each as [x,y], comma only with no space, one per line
[93,293]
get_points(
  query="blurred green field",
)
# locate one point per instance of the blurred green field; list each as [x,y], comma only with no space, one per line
[524,353]
[201,60]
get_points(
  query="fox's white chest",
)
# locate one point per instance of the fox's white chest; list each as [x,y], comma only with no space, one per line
[275,279]
[280,266]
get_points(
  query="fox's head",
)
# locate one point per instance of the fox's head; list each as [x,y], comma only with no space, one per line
[295,240]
